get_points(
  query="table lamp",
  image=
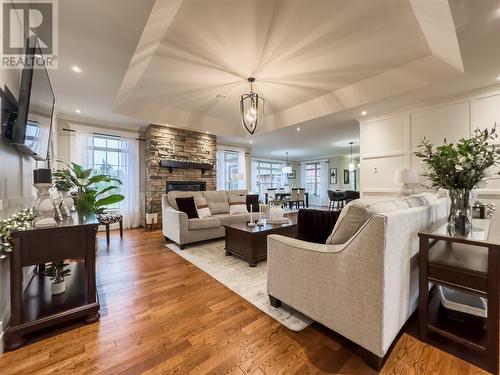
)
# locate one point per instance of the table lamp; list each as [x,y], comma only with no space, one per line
[405,177]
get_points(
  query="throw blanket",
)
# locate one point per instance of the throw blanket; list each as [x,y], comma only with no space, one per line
[315,225]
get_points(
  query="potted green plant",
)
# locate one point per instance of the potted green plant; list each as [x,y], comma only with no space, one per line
[459,168]
[57,272]
[88,196]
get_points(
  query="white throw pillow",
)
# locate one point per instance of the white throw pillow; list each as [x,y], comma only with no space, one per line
[202,207]
[236,208]
[237,204]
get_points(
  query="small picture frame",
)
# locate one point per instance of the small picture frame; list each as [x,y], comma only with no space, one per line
[333,176]
[293,175]
[346,176]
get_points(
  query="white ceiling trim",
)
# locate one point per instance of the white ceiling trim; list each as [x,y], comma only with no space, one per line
[160,18]
[411,76]
[436,22]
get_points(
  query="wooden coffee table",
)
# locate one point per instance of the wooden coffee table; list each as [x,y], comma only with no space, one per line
[250,243]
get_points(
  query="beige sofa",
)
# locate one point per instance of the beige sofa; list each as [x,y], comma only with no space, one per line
[178,228]
[362,284]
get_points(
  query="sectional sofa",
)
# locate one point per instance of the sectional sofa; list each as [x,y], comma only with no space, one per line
[178,228]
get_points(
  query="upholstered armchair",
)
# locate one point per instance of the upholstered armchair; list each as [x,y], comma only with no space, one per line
[364,287]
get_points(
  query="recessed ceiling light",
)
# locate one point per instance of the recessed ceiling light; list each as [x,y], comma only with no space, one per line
[77,110]
[498,78]
[220,96]
[207,131]
[363,113]
[76,69]
[298,129]
[250,142]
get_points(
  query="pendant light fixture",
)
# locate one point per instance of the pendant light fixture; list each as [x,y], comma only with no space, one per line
[352,167]
[252,109]
[286,169]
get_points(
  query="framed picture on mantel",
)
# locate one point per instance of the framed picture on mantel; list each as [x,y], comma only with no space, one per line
[333,176]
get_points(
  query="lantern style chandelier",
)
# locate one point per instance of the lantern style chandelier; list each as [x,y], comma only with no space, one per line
[286,169]
[252,109]
[352,166]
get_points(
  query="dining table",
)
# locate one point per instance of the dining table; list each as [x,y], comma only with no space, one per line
[281,195]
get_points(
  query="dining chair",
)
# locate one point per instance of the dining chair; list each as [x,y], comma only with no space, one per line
[338,200]
[271,194]
[301,198]
[331,198]
[351,195]
[294,197]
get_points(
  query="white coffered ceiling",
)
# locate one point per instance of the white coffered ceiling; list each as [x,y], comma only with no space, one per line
[315,61]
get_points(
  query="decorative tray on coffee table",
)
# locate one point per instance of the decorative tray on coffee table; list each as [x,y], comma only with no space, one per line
[285,220]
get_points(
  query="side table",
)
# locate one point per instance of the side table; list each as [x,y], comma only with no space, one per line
[470,264]
[151,221]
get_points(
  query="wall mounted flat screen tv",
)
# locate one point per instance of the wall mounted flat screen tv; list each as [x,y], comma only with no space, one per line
[31,131]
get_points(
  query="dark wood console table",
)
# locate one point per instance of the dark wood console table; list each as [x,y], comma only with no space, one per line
[36,308]
[470,264]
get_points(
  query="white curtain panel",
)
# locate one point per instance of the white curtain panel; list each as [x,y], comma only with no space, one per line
[324,182]
[284,176]
[80,144]
[302,175]
[221,183]
[130,210]
[242,169]
[254,187]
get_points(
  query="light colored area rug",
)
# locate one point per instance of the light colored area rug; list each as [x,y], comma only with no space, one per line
[250,283]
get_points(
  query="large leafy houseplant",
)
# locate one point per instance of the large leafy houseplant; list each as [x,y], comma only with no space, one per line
[88,196]
[459,168]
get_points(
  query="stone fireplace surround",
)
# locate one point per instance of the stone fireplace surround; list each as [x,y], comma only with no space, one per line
[162,142]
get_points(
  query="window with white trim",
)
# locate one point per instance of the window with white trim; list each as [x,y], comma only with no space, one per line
[109,157]
[268,175]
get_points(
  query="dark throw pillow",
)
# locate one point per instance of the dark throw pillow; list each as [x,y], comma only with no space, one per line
[253,202]
[315,225]
[188,206]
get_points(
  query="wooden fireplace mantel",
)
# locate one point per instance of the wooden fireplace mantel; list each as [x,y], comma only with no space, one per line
[171,164]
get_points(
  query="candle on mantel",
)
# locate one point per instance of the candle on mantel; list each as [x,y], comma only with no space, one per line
[42,176]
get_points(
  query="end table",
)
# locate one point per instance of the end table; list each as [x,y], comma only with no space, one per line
[470,264]
[151,221]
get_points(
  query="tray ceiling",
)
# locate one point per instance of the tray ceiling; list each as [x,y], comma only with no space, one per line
[310,58]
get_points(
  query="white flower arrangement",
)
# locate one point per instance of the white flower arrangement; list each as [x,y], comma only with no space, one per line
[23,220]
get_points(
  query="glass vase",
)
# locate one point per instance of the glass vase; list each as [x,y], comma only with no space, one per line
[460,217]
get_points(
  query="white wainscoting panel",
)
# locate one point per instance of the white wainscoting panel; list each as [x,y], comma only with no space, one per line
[385,136]
[378,173]
[486,112]
[451,121]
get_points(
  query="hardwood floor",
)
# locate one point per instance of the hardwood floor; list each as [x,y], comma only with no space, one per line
[162,315]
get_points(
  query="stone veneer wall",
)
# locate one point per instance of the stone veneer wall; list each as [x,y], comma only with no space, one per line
[162,142]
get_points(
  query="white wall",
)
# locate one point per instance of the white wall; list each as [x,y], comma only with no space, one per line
[16,189]
[342,163]
[388,143]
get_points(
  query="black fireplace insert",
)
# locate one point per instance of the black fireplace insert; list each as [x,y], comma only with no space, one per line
[186,186]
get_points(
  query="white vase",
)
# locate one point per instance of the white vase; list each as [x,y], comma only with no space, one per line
[276,213]
[68,200]
[44,207]
[58,288]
